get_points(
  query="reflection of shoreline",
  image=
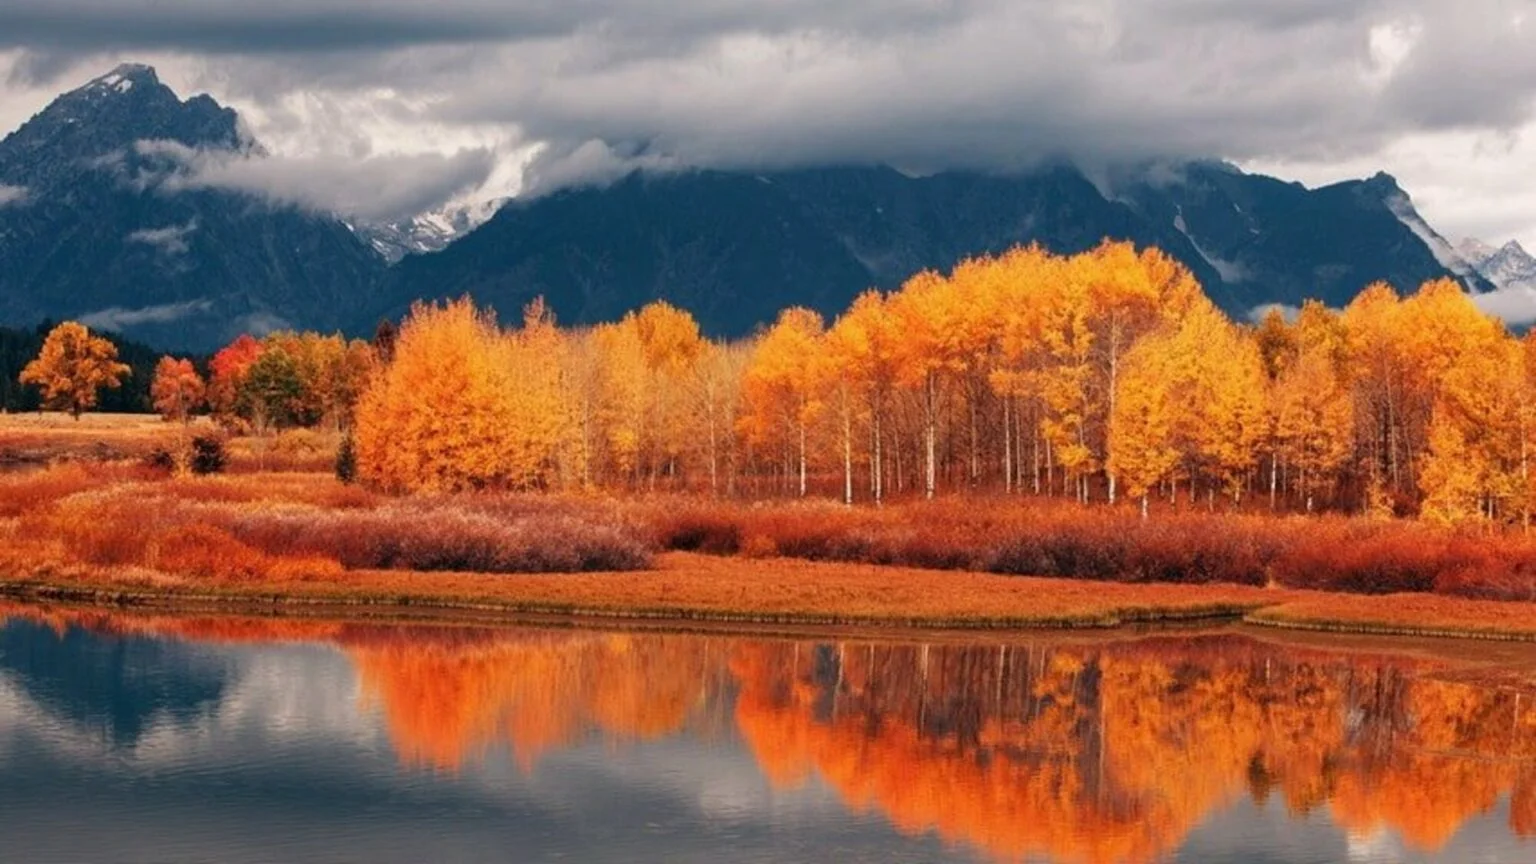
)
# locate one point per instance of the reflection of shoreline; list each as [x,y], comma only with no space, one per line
[1074,750]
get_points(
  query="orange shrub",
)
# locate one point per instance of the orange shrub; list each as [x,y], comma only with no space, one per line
[1050,538]
[448,535]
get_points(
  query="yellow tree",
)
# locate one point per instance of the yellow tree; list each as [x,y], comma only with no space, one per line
[864,348]
[1311,406]
[931,352]
[1477,447]
[716,410]
[462,405]
[72,368]
[622,395]
[1142,450]
[1382,379]
[1230,398]
[1065,381]
[671,345]
[781,385]
[1028,278]
[177,390]
[1128,294]
[541,438]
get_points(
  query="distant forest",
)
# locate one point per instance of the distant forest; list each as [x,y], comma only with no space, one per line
[19,347]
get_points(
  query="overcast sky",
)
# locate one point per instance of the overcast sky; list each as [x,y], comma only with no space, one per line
[480,97]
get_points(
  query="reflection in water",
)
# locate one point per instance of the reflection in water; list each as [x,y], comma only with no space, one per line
[1067,751]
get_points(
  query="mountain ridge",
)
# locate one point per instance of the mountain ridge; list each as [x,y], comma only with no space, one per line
[88,229]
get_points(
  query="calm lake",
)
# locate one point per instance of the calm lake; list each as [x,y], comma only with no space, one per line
[166,739]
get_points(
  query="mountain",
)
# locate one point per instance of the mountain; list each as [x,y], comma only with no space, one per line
[99,223]
[1278,242]
[88,232]
[1509,266]
[735,247]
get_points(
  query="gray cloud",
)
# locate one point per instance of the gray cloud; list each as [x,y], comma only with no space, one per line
[117,318]
[988,83]
[171,240]
[374,189]
[11,195]
[1515,305]
[603,85]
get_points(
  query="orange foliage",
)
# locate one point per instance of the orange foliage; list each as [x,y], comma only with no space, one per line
[72,368]
[177,389]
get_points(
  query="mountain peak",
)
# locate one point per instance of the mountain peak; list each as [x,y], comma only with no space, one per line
[1508,266]
[112,112]
[124,78]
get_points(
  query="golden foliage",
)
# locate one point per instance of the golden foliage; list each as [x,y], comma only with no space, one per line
[72,368]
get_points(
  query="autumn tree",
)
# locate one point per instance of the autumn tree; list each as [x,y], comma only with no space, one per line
[72,368]
[227,372]
[1142,449]
[1310,402]
[464,405]
[177,389]
[781,387]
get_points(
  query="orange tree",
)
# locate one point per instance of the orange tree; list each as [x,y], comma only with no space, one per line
[72,367]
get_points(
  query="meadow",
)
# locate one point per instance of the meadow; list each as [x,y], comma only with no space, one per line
[92,516]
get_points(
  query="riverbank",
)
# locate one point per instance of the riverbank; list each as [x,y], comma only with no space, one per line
[124,532]
[689,587]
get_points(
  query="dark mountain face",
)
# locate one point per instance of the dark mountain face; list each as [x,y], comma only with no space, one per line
[92,235]
[735,248]
[1276,242]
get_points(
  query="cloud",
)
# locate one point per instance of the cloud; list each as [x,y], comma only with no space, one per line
[171,240]
[374,189]
[12,195]
[920,84]
[117,318]
[1514,305]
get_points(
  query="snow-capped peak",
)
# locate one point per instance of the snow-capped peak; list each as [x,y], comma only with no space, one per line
[122,79]
[1508,266]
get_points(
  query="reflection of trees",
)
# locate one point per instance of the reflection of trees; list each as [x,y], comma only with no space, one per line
[1081,752]
[445,699]
[1113,753]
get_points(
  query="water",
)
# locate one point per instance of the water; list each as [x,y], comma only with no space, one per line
[163,739]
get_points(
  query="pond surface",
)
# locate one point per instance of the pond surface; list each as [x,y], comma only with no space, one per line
[165,739]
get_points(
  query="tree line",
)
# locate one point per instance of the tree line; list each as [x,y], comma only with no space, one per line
[1106,375]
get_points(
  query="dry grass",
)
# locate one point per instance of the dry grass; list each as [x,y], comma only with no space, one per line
[43,438]
[119,526]
[1049,538]
[283,527]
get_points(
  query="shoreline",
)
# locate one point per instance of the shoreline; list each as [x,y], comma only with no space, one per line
[686,591]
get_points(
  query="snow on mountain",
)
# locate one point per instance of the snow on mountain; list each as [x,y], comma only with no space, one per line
[1512,271]
[1508,266]
[428,232]
[1449,257]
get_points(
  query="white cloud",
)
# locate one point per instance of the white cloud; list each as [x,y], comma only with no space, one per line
[118,318]
[171,240]
[1515,305]
[376,189]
